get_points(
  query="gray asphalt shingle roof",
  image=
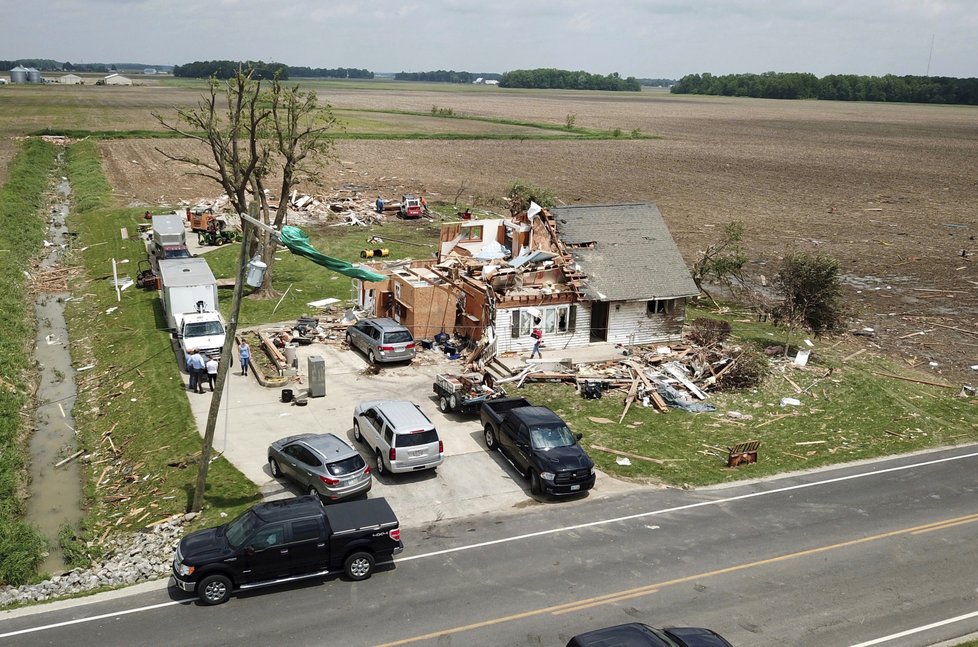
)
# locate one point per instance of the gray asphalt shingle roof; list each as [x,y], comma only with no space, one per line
[634,256]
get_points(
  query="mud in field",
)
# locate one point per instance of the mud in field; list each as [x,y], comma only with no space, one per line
[889,190]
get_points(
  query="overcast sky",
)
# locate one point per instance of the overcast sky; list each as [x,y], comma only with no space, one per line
[642,38]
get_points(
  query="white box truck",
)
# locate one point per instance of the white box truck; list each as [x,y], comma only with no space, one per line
[190,303]
[168,239]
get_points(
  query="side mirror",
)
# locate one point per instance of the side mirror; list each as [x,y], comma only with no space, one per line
[249,550]
[579,436]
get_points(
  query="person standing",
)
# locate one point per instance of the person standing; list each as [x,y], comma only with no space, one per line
[211,372]
[380,204]
[537,335]
[244,354]
[198,368]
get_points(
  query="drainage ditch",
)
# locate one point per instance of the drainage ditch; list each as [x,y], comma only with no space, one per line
[55,490]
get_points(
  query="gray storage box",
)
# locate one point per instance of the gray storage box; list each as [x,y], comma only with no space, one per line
[317,376]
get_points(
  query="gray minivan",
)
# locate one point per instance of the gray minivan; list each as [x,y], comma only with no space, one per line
[382,340]
[400,435]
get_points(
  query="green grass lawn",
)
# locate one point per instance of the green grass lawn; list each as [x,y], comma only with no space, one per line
[132,412]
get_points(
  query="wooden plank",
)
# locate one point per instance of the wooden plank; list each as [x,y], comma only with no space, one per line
[616,452]
[856,354]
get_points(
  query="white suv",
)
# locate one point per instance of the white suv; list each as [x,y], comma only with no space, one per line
[401,436]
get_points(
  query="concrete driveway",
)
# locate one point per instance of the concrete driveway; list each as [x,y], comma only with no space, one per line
[471,481]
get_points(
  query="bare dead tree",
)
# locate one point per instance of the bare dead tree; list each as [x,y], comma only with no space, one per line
[252,134]
[229,131]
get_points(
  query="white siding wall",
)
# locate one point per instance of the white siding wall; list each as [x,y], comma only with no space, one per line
[551,342]
[629,324]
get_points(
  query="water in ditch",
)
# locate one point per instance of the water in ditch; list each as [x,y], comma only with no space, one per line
[55,491]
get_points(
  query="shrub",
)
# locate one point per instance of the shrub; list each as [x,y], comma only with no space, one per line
[708,332]
[521,193]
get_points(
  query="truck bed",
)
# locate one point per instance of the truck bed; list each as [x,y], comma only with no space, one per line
[357,516]
[495,409]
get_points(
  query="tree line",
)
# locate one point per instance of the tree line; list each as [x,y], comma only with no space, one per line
[446,76]
[567,80]
[228,69]
[329,72]
[834,87]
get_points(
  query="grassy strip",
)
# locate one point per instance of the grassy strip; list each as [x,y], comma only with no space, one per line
[21,233]
[132,412]
[852,414]
[152,134]
[579,133]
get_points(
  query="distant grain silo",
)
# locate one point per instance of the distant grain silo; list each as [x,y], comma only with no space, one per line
[33,75]
[18,75]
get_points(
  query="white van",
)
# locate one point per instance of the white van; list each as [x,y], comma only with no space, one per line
[401,436]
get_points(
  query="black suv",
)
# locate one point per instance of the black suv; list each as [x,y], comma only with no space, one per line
[287,540]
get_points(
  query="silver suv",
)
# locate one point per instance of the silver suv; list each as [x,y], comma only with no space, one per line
[400,435]
[382,340]
[321,464]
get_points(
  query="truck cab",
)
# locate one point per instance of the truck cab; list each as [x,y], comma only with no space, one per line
[203,331]
[540,446]
[284,541]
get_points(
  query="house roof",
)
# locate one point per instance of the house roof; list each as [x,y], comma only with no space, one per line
[625,250]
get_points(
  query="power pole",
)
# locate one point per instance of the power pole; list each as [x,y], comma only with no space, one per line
[222,368]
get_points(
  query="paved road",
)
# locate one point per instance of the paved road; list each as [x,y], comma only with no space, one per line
[836,558]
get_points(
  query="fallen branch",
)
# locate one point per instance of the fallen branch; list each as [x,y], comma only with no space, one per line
[914,380]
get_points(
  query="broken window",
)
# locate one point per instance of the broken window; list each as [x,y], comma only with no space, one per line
[553,320]
[469,233]
[659,306]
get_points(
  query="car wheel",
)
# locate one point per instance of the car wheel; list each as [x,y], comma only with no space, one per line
[381,469]
[214,589]
[274,468]
[314,492]
[453,401]
[359,566]
[535,486]
[349,340]
[371,358]
[443,404]
[491,444]
[356,431]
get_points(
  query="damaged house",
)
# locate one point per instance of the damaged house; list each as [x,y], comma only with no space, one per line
[591,274]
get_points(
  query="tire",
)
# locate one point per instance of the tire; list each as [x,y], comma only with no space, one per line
[535,486]
[453,401]
[214,589]
[349,340]
[381,468]
[314,492]
[359,566]
[443,405]
[274,468]
[357,436]
[490,435]
[371,357]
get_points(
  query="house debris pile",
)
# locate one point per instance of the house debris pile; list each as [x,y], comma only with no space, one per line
[344,206]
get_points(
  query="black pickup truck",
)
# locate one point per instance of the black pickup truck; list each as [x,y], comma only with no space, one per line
[539,444]
[284,541]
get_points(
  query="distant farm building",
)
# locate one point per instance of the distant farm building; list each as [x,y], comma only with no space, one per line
[149,70]
[70,79]
[117,79]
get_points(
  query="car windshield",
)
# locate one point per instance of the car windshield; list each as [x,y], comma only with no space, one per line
[241,528]
[550,437]
[413,439]
[397,337]
[346,466]
[176,252]
[203,329]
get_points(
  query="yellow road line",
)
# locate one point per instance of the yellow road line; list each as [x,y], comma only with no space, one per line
[649,589]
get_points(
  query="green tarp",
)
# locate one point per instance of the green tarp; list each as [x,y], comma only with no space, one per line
[298,243]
